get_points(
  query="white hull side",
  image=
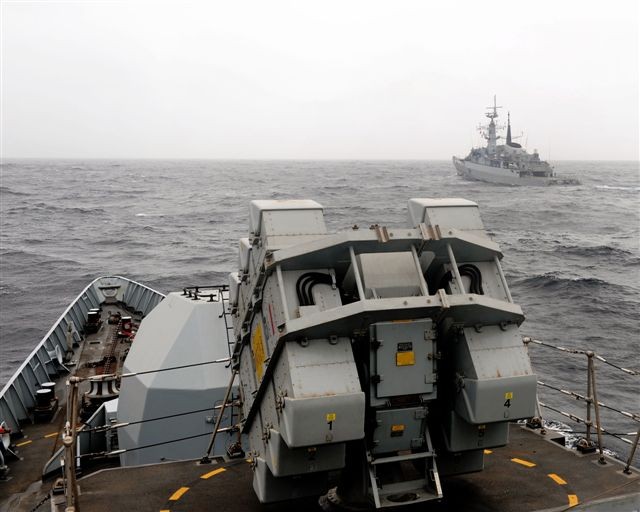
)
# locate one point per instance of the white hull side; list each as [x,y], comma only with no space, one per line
[501,176]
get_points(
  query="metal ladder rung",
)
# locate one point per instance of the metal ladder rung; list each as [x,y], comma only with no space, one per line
[424,489]
[398,458]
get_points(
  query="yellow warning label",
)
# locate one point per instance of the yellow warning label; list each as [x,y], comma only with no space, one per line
[257,347]
[405,358]
[508,396]
[397,428]
[331,416]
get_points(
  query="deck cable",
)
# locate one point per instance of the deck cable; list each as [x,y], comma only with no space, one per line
[103,428]
[578,419]
[528,339]
[231,429]
[578,396]
[215,361]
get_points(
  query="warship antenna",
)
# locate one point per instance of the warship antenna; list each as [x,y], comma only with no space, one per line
[493,111]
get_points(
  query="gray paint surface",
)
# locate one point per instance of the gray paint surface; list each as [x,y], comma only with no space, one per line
[179,332]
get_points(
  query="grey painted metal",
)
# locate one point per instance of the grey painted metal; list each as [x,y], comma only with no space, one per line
[503,279]
[454,268]
[162,376]
[356,272]
[298,349]
[18,394]
[283,297]
[423,284]
[392,340]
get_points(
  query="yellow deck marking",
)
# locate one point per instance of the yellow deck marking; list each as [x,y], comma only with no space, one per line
[523,462]
[24,443]
[488,452]
[178,494]
[213,473]
[573,500]
[52,434]
[165,510]
[557,479]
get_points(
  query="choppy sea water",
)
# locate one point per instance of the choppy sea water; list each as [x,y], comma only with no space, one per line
[572,253]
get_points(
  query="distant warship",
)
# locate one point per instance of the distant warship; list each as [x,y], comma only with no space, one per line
[507,164]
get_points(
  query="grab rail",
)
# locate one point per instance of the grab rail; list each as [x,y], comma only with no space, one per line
[591,400]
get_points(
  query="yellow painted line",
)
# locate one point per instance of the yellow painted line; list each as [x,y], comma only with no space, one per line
[178,494]
[573,500]
[557,479]
[523,462]
[488,452]
[213,473]
[165,510]
[52,434]
[24,443]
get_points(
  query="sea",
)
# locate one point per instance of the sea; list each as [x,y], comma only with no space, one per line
[571,253]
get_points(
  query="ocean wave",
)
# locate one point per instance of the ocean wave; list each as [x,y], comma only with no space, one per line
[594,251]
[26,259]
[7,191]
[51,208]
[612,187]
[551,282]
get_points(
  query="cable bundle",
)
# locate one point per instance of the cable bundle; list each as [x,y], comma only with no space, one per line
[305,284]
[472,272]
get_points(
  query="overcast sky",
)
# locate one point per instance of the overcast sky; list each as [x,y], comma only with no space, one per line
[324,79]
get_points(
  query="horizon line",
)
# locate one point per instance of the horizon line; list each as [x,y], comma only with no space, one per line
[3,159]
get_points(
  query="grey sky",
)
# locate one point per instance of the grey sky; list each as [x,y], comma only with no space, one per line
[325,79]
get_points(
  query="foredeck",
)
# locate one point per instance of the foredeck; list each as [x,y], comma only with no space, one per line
[41,440]
[531,473]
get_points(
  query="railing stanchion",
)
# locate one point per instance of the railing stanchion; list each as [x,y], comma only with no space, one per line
[626,469]
[589,399]
[592,373]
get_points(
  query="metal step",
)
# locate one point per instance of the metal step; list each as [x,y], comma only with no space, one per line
[410,491]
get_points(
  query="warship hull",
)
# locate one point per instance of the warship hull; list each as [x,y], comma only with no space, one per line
[130,401]
[500,176]
[516,477]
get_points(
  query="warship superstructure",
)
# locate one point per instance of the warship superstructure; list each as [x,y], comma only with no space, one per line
[508,163]
[371,368]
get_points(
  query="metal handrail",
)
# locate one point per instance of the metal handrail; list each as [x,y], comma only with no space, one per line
[591,400]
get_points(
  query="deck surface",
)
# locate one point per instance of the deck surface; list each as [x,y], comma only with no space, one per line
[531,473]
[544,476]
[41,440]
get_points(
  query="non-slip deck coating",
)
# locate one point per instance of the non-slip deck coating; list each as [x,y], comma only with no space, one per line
[504,485]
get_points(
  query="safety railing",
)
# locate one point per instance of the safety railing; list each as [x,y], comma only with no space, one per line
[592,405]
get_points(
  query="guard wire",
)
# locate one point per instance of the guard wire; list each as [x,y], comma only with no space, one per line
[101,428]
[528,339]
[578,419]
[578,396]
[126,450]
[215,361]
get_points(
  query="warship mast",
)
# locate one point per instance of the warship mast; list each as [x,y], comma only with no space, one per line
[491,137]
